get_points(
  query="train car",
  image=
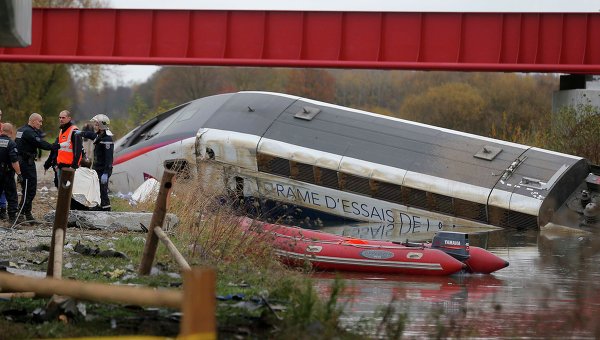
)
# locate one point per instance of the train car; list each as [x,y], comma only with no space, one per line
[326,160]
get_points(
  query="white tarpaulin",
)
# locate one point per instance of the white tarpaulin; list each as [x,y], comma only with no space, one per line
[148,190]
[86,187]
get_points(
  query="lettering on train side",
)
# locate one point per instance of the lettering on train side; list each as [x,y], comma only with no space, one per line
[298,194]
[349,207]
[330,202]
[415,224]
[386,230]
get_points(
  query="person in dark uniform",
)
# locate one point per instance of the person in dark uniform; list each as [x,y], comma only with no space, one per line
[29,140]
[2,195]
[103,154]
[9,165]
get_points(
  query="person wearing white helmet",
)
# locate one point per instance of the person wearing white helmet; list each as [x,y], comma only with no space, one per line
[103,154]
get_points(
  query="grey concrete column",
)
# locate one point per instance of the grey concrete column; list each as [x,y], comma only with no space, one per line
[575,90]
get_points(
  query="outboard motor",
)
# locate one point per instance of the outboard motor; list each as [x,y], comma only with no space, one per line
[452,243]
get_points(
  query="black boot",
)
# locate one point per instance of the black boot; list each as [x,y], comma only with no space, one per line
[29,218]
[2,213]
[19,219]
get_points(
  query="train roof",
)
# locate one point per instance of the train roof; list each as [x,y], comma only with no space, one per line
[382,140]
[402,144]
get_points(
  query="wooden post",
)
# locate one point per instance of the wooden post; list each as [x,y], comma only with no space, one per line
[199,304]
[59,242]
[93,291]
[158,219]
[61,217]
[172,249]
[17,295]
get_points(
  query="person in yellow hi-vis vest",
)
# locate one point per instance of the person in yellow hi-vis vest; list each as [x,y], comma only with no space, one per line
[69,154]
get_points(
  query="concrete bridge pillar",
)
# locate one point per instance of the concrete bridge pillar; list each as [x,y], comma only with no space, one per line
[576,89]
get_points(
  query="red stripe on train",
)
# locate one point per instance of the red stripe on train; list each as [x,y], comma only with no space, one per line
[141,151]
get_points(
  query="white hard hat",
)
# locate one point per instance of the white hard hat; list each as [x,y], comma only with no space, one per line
[102,120]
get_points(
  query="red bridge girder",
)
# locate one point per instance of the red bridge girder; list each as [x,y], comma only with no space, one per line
[523,42]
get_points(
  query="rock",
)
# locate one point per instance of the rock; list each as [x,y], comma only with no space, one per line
[109,220]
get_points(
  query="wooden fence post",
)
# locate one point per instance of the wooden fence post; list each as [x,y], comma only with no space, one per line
[172,249]
[100,292]
[199,304]
[158,219]
[61,217]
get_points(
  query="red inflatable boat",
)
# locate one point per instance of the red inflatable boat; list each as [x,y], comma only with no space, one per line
[448,254]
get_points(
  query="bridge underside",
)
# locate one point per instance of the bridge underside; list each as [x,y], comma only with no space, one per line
[521,42]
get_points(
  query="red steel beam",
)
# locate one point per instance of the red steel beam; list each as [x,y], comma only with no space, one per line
[521,42]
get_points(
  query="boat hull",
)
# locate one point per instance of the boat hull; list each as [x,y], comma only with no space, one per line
[323,251]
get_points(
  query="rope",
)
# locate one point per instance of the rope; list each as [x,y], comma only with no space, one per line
[342,242]
[22,205]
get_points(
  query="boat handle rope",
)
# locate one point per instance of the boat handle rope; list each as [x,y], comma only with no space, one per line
[344,242]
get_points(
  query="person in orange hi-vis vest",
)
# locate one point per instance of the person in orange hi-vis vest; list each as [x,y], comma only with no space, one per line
[69,154]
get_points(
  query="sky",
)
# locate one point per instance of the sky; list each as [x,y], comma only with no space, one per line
[138,73]
[128,74]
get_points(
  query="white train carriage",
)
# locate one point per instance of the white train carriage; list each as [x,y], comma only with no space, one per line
[328,160]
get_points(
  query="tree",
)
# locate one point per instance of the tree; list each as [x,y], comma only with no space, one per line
[575,130]
[28,88]
[138,113]
[182,84]
[311,83]
[454,105]
[254,79]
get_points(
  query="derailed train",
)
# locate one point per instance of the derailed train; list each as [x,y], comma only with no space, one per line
[328,160]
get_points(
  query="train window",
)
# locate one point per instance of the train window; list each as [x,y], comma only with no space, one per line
[154,126]
[355,184]
[302,172]
[326,177]
[189,111]
[511,219]
[442,204]
[521,220]
[415,197]
[389,192]
[470,210]
[263,162]
[280,166]
[498,216]
[142,132]
[273,165]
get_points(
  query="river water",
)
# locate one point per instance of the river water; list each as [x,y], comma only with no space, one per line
[551,289]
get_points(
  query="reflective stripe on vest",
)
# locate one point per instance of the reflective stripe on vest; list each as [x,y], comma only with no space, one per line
[65,153]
